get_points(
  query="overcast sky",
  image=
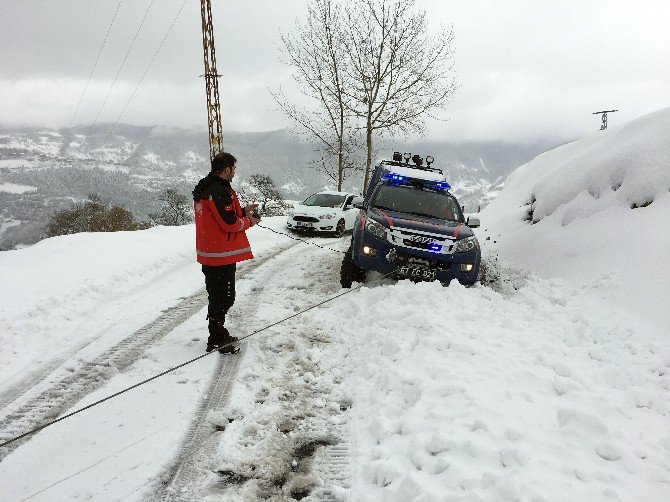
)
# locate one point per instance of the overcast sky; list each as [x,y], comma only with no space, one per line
[528,69]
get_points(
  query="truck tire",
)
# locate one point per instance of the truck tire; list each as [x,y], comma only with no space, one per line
[349,271]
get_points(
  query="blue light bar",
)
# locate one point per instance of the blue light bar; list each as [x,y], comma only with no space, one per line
[404,180]
[395,177]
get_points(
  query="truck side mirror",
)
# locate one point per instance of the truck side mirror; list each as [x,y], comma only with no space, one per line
[473,222]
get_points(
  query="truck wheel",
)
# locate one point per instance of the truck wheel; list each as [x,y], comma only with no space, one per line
[349,271]
[339,229]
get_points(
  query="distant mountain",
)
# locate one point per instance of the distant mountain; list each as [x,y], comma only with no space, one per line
[43,170]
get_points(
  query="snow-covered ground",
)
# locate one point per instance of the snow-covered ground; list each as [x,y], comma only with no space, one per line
[551,381]
[14,188]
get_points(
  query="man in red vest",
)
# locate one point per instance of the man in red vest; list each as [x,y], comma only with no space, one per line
[221,242]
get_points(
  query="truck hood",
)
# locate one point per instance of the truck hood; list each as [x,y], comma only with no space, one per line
[413,222]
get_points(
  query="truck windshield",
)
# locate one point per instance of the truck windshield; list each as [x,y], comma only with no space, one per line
[405,199]
[324,200]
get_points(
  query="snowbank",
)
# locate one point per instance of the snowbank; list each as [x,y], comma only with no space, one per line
[64,292]
[594,211]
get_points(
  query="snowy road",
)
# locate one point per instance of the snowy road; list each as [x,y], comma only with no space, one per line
[527,390]
[24,411]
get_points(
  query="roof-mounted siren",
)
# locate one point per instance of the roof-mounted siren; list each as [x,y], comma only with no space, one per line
[417,160]
[429,160]
[397,157]
[407,156]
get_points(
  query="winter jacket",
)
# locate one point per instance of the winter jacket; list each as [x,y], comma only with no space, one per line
[220,223]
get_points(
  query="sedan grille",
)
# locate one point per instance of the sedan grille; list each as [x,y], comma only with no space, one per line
[309,219]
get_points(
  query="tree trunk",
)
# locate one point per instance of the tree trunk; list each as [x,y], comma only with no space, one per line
[368,158]
[340,153]
[340,168]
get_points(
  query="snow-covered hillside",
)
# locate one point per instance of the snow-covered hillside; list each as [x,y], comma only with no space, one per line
[129,164]
[595,211]
[551,382]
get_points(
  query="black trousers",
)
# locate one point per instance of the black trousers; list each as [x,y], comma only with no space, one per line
[220,285]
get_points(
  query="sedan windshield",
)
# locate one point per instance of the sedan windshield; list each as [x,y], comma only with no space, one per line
[405,199]
[324,200]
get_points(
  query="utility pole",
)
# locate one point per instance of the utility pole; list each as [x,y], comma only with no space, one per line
[211,80]
[604,113]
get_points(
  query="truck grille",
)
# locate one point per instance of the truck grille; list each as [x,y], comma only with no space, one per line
[405,259]
[309,219]
[419,245]
[424,241]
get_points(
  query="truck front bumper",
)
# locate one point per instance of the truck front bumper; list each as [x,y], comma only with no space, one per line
[372,253]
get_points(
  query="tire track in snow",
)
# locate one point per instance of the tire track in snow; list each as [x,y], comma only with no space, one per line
[57,398]
[185,479]
[201,441]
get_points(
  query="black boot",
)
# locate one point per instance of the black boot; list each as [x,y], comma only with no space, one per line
[219,336]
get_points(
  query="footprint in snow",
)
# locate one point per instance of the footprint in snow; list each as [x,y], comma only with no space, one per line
[590,424]
[562,370]
[608,452]
[564,385]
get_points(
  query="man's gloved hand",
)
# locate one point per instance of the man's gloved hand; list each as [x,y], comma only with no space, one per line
[253,220]
[250,208]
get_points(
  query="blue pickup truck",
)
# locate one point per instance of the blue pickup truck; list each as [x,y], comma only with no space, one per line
[410,226]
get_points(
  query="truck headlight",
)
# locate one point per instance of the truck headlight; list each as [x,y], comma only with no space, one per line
[327,216]
[375,228]
[467,244]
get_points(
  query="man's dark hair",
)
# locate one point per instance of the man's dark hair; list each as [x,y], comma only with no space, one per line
[221,161]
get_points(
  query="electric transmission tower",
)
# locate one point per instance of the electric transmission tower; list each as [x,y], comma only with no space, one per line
[211,80]
[604,114]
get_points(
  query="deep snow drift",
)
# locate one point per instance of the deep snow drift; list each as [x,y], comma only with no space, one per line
[597,209]
[551,382]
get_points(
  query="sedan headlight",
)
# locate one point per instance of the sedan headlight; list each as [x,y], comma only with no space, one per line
[467,244]
[327,216]
[375,228]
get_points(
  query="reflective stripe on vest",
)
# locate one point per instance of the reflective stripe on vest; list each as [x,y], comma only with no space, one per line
[222,255]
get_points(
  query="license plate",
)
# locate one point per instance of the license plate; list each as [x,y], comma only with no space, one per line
[302,224]
[418,272]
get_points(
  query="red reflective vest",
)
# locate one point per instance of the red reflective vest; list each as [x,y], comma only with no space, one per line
[220,224]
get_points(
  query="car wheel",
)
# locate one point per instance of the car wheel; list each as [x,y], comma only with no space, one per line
[349,271]
[339,229]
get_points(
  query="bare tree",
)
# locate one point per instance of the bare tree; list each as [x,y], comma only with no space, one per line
[175,209]
[269,197]
[316,52]
[402,72]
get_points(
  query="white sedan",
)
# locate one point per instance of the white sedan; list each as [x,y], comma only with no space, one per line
[330,212]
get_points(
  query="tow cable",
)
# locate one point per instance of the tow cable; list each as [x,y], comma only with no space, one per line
[214,351]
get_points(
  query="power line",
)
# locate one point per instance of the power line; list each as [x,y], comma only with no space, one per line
[118,119]
[139,28]
[95,64]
